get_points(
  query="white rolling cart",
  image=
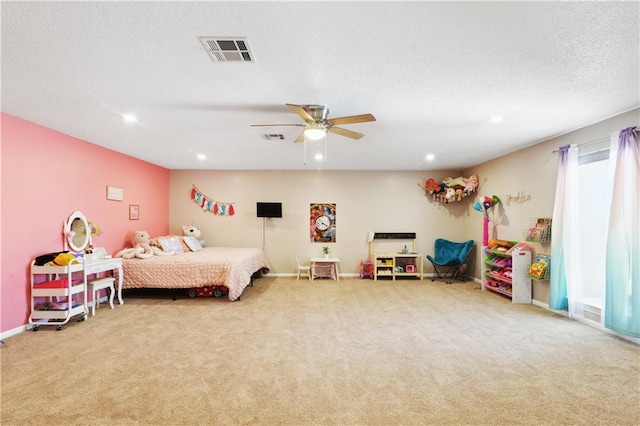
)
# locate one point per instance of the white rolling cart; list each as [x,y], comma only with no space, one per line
[63,297]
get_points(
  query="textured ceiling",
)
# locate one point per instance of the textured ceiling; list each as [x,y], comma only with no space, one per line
[432,73]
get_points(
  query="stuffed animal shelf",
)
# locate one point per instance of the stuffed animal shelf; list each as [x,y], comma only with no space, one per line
[451,189]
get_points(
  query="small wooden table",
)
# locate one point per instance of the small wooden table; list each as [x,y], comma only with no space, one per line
[325,267]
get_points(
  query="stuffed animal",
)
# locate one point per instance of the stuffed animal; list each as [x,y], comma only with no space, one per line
[450,195]
[95,229]
[442,194]
[431,186]
[451,182]
[495,243]
[63,259]
[192,231]
[142,249]
[471,185]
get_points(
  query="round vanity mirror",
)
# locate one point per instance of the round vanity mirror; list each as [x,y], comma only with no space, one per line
[77,232]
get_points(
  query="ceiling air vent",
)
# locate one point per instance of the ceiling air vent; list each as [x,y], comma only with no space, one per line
[227,49]
[272,136]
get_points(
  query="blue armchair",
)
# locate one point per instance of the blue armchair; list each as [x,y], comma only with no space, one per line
[449,260]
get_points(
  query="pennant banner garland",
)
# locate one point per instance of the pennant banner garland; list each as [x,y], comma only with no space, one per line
[210,205]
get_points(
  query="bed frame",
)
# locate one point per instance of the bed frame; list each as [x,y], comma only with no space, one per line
[232,267]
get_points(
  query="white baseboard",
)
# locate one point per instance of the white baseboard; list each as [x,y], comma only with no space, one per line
[541,304]
[606,330]
[15,331]
[588,322]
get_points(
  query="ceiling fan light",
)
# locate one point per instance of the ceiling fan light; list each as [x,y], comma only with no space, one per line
[314,134]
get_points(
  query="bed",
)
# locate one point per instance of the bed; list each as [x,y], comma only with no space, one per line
[232,267]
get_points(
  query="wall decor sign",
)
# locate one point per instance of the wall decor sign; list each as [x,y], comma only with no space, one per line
[322,222]
[134,212]
[521,198]
[115,193]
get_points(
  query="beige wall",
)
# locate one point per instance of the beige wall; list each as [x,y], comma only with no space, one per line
[376,201]
[365,201]
[532,172]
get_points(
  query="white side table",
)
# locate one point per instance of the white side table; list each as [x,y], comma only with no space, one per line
[325,267]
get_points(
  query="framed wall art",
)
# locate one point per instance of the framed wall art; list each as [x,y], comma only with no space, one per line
[115,193]
[134,212]
[322,222]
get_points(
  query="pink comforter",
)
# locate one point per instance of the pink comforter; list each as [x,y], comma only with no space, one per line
[228,266]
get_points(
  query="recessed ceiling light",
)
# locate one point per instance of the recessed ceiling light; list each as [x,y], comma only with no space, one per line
[496,119]
[129,118]
[430,157]
[202,157]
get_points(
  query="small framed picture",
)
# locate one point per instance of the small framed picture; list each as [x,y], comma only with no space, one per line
[134,212]
[115,193]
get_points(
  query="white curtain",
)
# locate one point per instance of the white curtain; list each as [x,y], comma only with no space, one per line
[622,286]
[565,271]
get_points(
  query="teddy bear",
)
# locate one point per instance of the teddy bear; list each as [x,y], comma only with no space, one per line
[142,249]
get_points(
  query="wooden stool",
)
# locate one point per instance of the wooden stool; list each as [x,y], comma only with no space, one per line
[98,284]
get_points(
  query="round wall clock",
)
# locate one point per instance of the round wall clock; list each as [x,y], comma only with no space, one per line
[323,222]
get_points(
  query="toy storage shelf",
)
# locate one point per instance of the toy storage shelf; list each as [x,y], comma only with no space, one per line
[506,273]
[394,265]
[65,298]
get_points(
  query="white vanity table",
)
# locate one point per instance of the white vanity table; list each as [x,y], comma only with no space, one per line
[63,288]
[77,233]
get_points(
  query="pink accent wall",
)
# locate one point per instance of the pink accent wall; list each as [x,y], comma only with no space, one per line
[47,175]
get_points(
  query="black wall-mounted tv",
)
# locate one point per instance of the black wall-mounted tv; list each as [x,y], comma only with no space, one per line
[269,209]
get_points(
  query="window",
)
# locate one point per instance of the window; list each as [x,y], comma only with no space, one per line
[593,174]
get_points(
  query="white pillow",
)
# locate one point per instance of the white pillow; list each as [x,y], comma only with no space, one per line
[169,244]
[192,243]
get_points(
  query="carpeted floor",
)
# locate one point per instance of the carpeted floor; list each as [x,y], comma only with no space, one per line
[353,352]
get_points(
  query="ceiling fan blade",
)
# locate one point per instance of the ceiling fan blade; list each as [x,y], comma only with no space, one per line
[362,118]
[276,125]
[344,132]
[300,138]
[301,112]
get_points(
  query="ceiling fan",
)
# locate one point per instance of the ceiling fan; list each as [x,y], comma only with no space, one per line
[318,124]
